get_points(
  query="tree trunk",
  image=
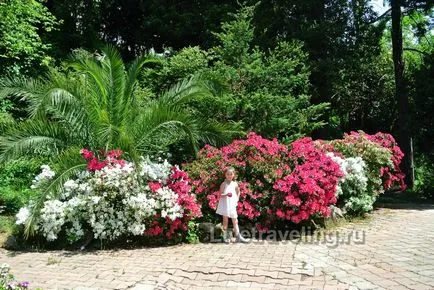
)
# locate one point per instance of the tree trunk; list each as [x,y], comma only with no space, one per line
[404,139]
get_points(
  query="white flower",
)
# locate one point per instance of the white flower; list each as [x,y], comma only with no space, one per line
[22,215]
[354,184]
[95,199]
[45,175]
[70,184]
[151,171]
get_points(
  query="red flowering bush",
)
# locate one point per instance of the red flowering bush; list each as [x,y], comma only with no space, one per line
[258,163]
[392,175]
[103,159]
[301,182]
[269,189]
[310,188]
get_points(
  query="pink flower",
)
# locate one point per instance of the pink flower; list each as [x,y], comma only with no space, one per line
[86,154]
[155,186]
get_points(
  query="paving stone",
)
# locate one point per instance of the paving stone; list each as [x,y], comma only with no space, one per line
[388,259]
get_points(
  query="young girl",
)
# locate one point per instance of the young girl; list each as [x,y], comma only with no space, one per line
[227,207]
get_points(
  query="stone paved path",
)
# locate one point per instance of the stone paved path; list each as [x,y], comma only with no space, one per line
[397,253]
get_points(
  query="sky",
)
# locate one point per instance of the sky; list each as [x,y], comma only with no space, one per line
[379,6]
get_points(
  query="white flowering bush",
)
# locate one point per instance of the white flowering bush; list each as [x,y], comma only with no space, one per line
[352,189]
[113,199]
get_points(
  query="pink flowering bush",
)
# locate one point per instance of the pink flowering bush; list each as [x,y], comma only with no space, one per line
[275,182]
[102,159]
[392,175]
[310,188]
[371,166]
[258,162]
[301,182]
[179,182]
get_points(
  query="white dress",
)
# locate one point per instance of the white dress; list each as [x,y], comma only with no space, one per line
[228,205]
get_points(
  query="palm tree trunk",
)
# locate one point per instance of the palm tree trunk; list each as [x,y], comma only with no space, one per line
[401,96]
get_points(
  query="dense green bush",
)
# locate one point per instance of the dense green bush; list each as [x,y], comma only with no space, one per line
[170,70]
[374,156]
[264,91]
[15,179]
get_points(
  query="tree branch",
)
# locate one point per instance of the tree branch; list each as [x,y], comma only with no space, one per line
[385,14]
[416,50]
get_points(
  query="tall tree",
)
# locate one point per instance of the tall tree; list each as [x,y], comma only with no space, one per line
[343,46]
[401,94]
[400,91]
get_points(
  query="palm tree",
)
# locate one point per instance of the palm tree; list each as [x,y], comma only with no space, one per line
[95,106]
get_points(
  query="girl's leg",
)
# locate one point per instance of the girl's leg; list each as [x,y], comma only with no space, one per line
[238,236]
[225,223]
[225,229]
[235,224]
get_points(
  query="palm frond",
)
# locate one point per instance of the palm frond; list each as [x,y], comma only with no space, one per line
[186,90]
[21,88]
[217,134]
[33,135]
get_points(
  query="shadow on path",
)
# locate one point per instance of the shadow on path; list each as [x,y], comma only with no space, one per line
[404,200]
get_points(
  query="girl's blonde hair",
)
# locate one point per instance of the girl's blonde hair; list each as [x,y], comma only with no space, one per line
[230,169]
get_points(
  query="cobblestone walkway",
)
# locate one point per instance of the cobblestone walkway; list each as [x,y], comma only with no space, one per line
[393,250]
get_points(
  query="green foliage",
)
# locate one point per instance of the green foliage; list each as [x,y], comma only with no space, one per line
[137,25]
[363,93]
[193,232]
[7,224]
[334,32]
[424,175]
[15,180]
[420,77]
[95,106]
[265,91]
[6,118]
[169,70]
[23,49]
[268,88]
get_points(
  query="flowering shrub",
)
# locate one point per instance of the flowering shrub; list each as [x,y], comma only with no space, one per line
[310,188]
[7,281]
[381,155]
[301,182]
[269,189]
[371,166]
[392,175]
[258,162]
[113,198]
[352,191]
[45,175]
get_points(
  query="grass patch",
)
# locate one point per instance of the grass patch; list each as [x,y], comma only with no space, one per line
[331,224]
